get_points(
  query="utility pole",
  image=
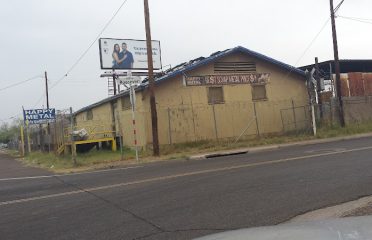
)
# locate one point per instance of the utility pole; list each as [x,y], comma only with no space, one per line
[337,66]
[46,89]
[154,116]
[47,102]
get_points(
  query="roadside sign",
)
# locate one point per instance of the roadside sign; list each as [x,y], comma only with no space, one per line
[130,80]
[38,116]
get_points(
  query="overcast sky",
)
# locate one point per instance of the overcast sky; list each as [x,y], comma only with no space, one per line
[41,35]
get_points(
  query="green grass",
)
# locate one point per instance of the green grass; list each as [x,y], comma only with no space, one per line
[350,129]
[13,153]
[185,149]
[226,144]
[104,158]
[84,160]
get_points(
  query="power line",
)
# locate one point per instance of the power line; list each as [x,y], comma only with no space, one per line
[20,114]
[38,101]
[83,55]
[19,83]
[369,21]
[90,46]
[362,19]
[315,38]
[309,46]
[338,6]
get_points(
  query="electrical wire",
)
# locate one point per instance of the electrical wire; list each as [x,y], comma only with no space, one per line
[356,19]
[362,19]
[309,45]
[338,6]
[90,46]
[316,37]
[19,83]
[73,65]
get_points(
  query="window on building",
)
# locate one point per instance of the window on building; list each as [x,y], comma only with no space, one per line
[90,115]
[259,92]
[125,103]
[234,67]
[215,95]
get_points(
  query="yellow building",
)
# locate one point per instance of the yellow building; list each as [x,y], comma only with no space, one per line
[232,93]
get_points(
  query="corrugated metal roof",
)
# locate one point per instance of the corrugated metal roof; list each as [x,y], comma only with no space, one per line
[346,66]
[196,63]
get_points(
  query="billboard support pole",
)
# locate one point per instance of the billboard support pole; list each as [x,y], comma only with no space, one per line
[154,117]
[114,80]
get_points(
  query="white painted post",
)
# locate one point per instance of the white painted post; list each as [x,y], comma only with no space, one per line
[133,104]
[313,118]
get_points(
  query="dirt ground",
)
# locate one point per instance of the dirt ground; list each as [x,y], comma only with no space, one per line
[367,210]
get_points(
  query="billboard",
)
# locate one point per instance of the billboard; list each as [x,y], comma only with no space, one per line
[127,54]
[38,116]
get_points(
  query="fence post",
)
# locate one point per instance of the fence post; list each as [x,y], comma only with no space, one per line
[313,118]
[41,138]
[22,142]
[169,127]
[331,111]
[120,136]
[133,106]
[55,145]
[281,117]
[73,146]
[215,121]
[28,138]
[294,114]
[193,119]
[256,117]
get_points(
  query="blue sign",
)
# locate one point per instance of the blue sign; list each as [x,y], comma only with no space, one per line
[38,116]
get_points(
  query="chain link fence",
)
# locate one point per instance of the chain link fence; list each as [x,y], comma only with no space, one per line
[229,121]
[197,122]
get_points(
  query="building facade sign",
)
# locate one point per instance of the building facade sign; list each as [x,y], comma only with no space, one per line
[252,78]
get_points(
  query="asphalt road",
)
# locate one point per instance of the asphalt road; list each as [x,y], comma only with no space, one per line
[183,199]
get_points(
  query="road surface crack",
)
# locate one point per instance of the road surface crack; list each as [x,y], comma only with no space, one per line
[186,230]
[112,204]
[157,227]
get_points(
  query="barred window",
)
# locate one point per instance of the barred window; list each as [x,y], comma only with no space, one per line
[259,92]
[90,114]
[125,103]
[215,95]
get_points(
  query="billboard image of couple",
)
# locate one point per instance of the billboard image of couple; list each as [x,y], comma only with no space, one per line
[127,54]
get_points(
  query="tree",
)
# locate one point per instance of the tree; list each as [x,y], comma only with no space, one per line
[8,132]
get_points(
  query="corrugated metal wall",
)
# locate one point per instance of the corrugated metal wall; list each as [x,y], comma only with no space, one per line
[356,84]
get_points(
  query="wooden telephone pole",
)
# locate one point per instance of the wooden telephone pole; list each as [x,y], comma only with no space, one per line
[154,116]
[337,66]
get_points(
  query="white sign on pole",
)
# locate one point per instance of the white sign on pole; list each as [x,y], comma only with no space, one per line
[130,80]
[127,54]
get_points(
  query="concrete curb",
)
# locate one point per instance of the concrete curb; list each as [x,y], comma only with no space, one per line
[276,146]
[336,211]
